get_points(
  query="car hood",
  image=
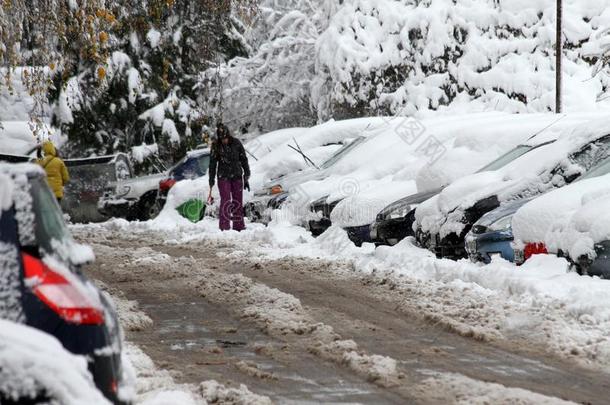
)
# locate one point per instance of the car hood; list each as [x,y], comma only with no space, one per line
[291,180]
[504,210]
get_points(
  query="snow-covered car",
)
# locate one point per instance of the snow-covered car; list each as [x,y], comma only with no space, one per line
[36,369]
[135,198]
[571,221]
[395,222]
[443,221]
[41,277]
[275,192]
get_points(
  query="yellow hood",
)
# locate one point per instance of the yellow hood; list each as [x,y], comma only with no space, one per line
[49,149]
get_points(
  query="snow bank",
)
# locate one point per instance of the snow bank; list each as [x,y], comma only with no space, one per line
[32,362]
[459,389]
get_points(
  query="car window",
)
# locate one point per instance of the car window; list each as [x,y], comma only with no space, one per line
[507,158]
[600,169]
[49,222]
[592,154]
[187,170]
[342,152]
[204,164]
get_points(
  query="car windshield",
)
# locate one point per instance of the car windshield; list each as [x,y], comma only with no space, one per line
[342,152]
[192,167]
[507,158]
[49,221]
[599,170]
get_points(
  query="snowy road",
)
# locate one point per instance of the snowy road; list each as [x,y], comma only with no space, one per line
[293,330]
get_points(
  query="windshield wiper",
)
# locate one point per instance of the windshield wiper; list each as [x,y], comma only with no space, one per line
[300,152]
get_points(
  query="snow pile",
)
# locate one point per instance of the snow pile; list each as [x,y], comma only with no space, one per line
[33,362]
[589,225]
[572,218]
[214,393]
[459,389]
[155,386]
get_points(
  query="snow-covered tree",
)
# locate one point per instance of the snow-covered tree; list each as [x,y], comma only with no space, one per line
[271,87]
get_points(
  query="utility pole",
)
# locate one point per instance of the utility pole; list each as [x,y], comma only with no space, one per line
[558,58]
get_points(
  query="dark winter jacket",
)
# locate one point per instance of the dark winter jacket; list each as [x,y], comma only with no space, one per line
[229,161]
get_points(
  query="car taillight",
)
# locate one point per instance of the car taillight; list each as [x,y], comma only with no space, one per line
[534,249]
[165,185]
[56,292]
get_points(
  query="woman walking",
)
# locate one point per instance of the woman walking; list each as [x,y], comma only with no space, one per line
[229,161]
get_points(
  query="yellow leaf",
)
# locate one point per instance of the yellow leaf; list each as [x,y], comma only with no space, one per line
[101,73]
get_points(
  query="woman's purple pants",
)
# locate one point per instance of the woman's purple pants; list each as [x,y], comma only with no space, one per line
[231,204]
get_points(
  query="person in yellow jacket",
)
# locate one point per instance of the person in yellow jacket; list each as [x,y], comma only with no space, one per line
[57,172]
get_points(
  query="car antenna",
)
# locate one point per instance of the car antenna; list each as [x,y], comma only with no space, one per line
[547,127]
[300,152]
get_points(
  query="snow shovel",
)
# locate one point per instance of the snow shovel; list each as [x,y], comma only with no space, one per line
[193,210]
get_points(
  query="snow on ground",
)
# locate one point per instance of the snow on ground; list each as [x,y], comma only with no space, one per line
[155,386]
[459,389]
[541,302]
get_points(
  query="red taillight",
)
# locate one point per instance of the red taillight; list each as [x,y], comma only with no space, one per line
[165,185]
[534,249]
[55,291]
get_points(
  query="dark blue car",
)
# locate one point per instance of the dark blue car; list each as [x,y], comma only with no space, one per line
[492,235]
[41,282]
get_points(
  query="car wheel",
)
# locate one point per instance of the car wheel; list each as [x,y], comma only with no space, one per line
[150,209]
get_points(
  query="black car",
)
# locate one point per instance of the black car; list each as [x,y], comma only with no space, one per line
[395,222]
[41,280]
